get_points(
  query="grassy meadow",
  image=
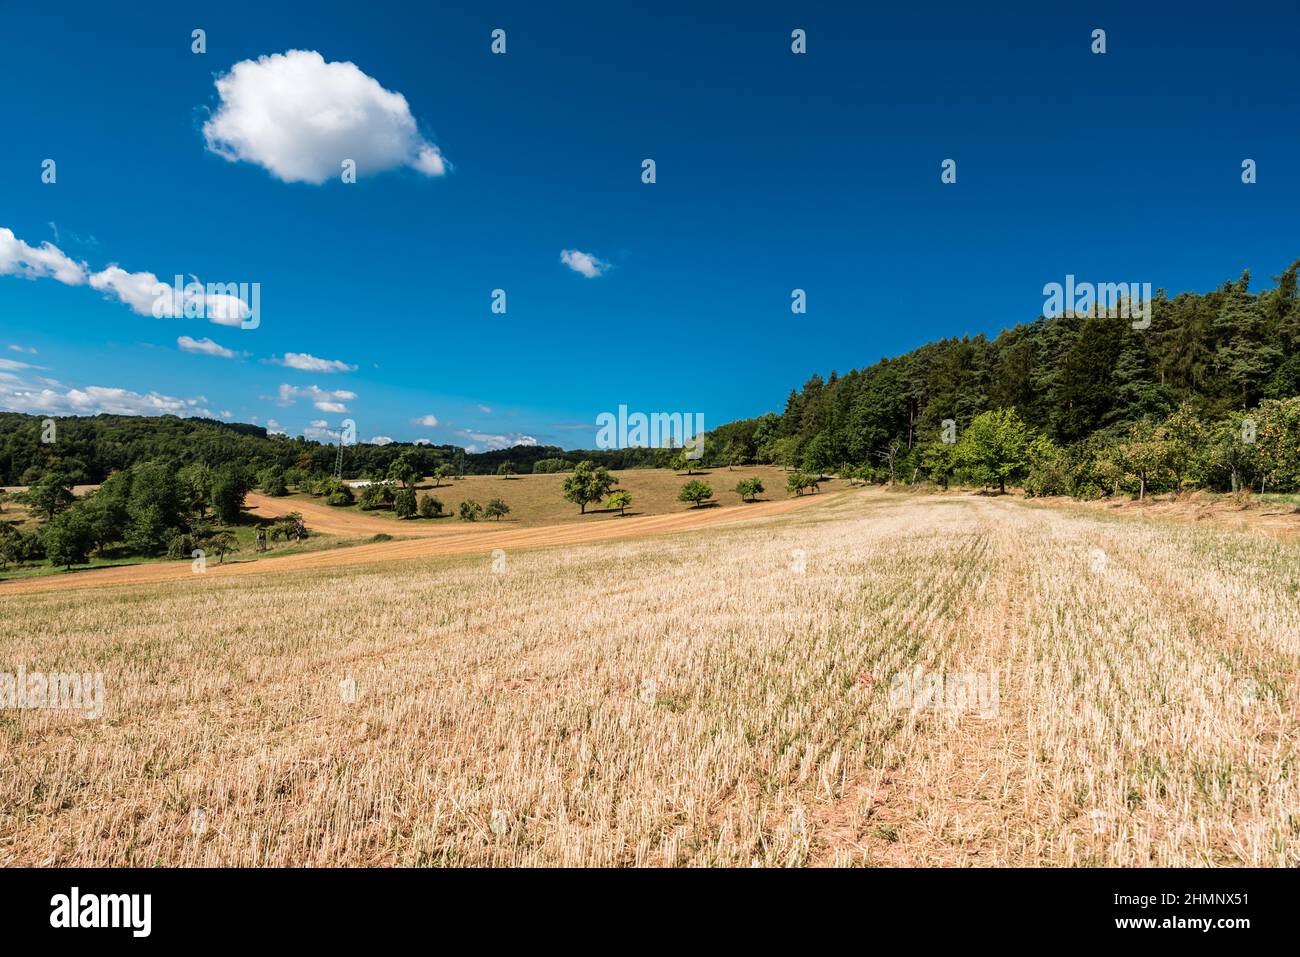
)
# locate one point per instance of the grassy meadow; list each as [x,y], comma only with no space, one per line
[539,499]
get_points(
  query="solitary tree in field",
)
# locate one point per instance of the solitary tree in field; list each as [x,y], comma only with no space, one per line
[289,527]
[430,507]
[619,500]
[800,482]
[219,542]
[404,470]
[505,470]
[681,463]
[586,484]
[496,509]
[442,472]
[695,492]
[749,489]
[470,510]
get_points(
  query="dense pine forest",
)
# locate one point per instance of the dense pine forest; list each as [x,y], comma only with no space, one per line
[1087,406]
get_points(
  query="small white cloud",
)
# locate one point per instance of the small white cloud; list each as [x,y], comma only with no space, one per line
[309,363]
[318,423]
[320,434]
[485,409]
[205,347]
[147,295]
[584,263]
[227,414]
[426,420]
[30,350]
[37,262]
[299,117]
[380,440]
[272,427]
[484,441]
[324,399]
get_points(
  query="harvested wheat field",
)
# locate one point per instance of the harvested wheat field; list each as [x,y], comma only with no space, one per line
[712,696]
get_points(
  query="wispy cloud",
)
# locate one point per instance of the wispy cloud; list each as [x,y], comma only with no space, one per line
[205,347]
[583,263]
[14,347]
[13,365]
[309,363]
[426,420]
[76,240]
[325,400]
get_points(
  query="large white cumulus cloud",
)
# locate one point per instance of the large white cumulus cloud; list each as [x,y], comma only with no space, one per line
[300,117]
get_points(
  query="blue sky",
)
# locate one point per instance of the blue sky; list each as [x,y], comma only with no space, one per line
[775,171]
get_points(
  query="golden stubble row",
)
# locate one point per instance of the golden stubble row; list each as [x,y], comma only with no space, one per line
[719,697]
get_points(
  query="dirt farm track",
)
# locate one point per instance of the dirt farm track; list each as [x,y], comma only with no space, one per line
[417,541]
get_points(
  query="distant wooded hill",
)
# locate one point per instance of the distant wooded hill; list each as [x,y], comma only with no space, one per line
[1092,390]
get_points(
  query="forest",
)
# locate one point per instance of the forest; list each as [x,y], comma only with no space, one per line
[1205,397]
